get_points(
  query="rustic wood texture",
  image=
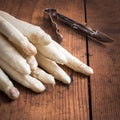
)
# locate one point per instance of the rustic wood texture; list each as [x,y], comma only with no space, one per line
[59,102]
[105,60]
[93,98]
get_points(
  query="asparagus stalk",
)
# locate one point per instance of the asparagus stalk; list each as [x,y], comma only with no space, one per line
[73,62]
[43,76]
[24,79]
[52,68]
[34,33]
[31,60]
[16,37]
[7,86]
[9,54]
[51,52]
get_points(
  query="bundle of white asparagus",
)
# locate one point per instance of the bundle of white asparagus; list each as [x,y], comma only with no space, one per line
[23,47]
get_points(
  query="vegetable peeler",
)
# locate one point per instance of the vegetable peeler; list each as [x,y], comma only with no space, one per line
[92,33]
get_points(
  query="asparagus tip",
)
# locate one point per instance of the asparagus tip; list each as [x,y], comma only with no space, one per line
[67,80]
[13,93]
[90,71]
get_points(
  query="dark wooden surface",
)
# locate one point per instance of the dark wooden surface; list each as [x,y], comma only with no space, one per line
[105,83]
[88,98]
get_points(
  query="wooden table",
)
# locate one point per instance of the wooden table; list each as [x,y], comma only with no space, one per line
[88,98]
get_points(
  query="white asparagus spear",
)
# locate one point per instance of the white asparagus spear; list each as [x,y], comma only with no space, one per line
[7,86]
[34,33]
[25,80]
[52,68]
[31,60]
[74,62]
[51,52]
[13,57]
[16,37]
[43,76]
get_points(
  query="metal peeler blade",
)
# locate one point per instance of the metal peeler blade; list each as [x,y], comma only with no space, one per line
[93,34]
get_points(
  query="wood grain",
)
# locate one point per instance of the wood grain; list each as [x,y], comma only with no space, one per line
[94,98]
[59,102]
[105,84]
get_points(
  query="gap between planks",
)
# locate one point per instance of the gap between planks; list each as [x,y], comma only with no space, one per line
[87,57]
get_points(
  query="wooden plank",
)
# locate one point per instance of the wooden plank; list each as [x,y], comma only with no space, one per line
[59,102]
[105,84]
